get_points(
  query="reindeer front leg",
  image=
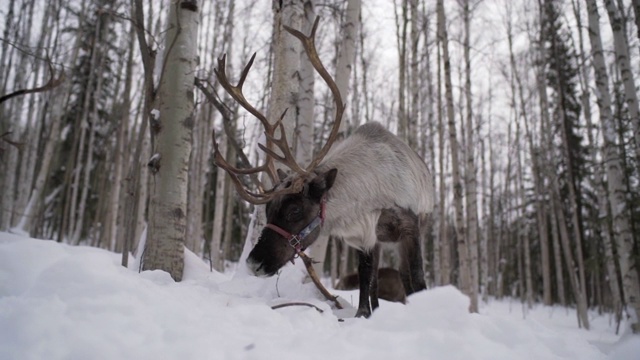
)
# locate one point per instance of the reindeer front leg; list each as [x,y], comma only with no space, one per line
[365,273]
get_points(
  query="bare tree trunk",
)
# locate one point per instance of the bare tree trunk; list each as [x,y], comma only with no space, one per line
[346,53]
[636,12]
[626,74]
[524,230]
[35,119]
[219,211]
[463,251]
[445,244]
[487,205]
[471,185]
[364,62]
[413,119]
[334,261]
[138,174]
[578,291]
[544,248]
[557,252]
[60,100]
[545,171]
[164,247]
[402,21]
[8,25]
[13,177]
[286,59]
[230,204]
[429,133]
[617,204]
[111,229]
[91,117]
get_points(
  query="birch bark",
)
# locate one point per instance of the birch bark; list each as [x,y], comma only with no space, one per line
[164,249]
[617,204]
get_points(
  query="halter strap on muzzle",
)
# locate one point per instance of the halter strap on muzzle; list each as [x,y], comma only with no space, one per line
[295,240]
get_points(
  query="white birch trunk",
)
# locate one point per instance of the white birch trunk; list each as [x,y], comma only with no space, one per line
[114,201]
[463,251]
[164,248]
[626,74]
[578,292]
[615,185]
[34,127]
[471,185]
[545,172]
[306,101]
[347,54]
[413,119]
[60,101]
[445,245]
[402,21]
[219,211]
[286,59]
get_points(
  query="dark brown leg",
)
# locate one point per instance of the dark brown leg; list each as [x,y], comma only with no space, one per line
[365,271]
[374,277]
[410,240]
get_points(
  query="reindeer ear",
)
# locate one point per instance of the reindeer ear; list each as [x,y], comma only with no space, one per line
[323,182]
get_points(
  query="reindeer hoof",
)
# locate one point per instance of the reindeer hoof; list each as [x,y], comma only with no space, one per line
[363,313]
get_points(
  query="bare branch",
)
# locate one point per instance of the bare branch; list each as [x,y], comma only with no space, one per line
[274,307]
[52,83]
[308,263]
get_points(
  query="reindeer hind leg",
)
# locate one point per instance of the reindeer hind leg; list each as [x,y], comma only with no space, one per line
[412,271]
[365,273]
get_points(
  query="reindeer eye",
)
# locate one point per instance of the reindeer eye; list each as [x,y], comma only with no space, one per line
[295,213]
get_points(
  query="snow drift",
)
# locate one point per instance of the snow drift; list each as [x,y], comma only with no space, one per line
[64,302]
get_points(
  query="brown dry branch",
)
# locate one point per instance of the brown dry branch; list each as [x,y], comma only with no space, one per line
[52,83]
[308,263]
[274,307]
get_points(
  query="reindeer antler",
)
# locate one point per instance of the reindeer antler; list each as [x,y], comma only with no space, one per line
[310,48]
[281,143]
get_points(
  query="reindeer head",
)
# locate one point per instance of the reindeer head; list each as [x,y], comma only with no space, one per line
[295,206]
[293,223]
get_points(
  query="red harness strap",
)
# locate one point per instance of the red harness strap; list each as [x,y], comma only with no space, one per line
[295,240]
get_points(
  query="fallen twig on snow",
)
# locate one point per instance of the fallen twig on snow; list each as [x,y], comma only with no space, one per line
[308,263]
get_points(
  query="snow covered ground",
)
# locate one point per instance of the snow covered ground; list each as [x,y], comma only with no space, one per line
[64,302]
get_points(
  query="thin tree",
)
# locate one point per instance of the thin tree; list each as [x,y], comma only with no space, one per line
[463,252]
[617,204]
[612,163]
[471,185]
[621,46]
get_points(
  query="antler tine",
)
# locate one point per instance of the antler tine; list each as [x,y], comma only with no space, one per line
[236,91]
[237,94]
[287,157]
[251,197]
[220,161]
[308,42]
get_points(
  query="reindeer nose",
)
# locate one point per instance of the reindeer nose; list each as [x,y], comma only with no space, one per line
[256,267]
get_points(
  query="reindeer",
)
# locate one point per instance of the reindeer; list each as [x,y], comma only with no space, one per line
[369,188]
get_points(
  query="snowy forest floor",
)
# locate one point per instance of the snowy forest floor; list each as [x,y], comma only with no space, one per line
[64,302]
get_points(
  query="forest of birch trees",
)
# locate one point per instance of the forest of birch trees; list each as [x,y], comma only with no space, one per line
[526,112]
